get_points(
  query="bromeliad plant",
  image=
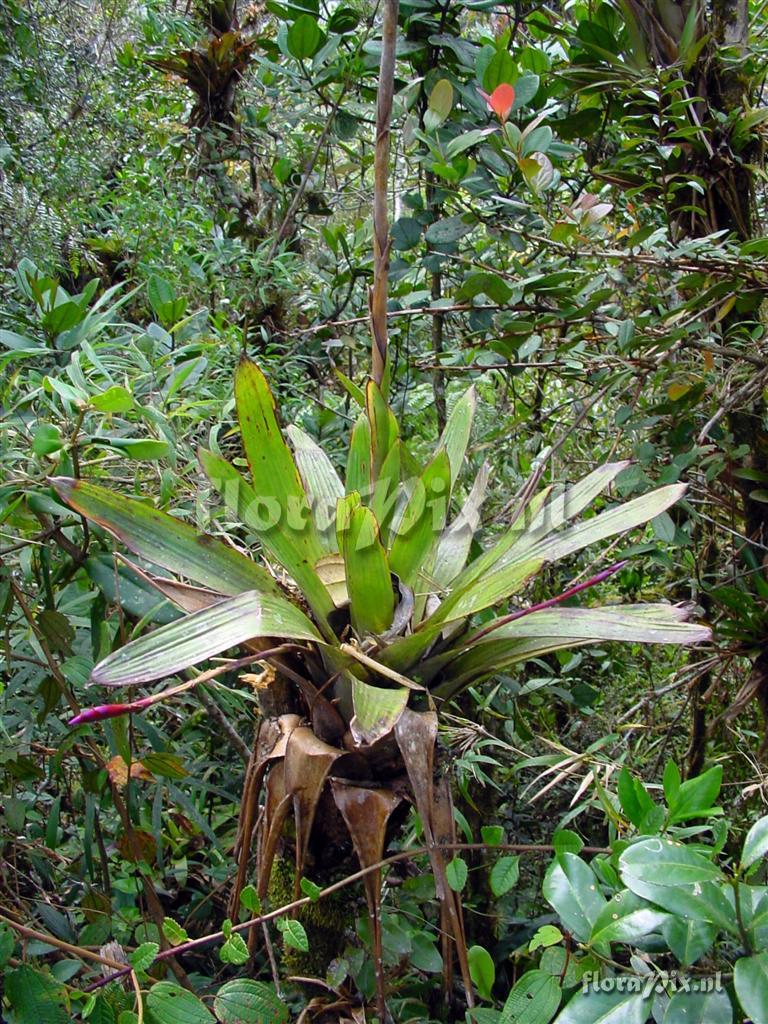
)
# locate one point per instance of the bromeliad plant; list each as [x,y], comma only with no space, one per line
[365,609]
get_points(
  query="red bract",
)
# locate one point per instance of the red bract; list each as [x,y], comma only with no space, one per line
[100,712]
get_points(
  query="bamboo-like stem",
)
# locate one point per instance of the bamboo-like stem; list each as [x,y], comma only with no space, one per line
[377,298]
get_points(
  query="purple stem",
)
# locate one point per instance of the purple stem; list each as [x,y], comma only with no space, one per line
[521,612]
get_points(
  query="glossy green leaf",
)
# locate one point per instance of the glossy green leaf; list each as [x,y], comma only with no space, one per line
[756,843]
[750,979]
[666,862]
[500,69]
[167,1003]
[699,901]
[626,918]
[642,623]
[688,940]
[699,1008]
[570,887]
[200,636]
[165,540]
[244,1001]
[589,1007]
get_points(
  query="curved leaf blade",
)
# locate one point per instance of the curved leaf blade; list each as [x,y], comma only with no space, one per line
[202,635]
[166,541]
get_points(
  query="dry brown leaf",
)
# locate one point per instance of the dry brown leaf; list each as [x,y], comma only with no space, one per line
[366,813]
[118,772]
[307,763]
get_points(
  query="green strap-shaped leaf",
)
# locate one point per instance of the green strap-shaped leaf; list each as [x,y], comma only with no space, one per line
[419,529]
[489,559]
[359,458]
[569,502]
[203,634]
[406,652]
[454,544]
[369,583]
[601,527]
[322,484]
[384,427]
[502,648]
[640,623]
[166,541]
[263,515]
[455,436]
[275,478]
[487,591]
[387,491]
[542,515]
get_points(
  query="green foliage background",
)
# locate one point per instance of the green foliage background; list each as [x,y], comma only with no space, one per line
[179,185]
